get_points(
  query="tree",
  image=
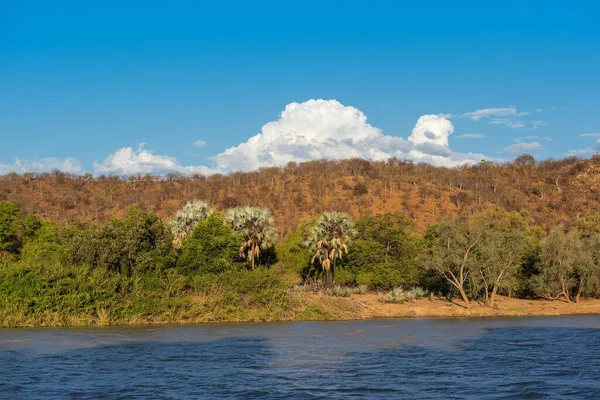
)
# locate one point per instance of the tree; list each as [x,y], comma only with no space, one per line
[385,252]
[329,239]
[449,248]
[561,254]
[211,247]
[187,218]
[588,273]
[30,224]
[9,215]
[256,227]
[134,244]
[291,251]
[507,238]
[524,160]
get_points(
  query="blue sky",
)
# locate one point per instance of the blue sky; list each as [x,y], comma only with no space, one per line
[91,83]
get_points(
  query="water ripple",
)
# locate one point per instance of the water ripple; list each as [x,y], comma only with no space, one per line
[428,359]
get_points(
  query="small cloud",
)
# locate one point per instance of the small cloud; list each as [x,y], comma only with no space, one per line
[490,112]
[69,165]
[447,116]
[536,124]
[521,113]
[580,152]
[199,143]
[547,138]
[471,136]
[539,110]
[511,123]
[522,147]
[530,137]
[590,134]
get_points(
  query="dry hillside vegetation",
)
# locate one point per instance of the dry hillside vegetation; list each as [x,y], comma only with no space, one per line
[553,191]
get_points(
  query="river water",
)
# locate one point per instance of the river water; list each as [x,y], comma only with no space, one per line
[533,357]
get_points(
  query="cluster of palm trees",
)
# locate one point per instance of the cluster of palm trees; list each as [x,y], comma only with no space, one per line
[328,238]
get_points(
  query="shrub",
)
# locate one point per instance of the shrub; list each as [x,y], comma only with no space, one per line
[362,288]
[339,291]
[9,240]
[211,247]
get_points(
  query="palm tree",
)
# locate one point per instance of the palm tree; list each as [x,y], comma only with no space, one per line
[329,239]
[187,218]
[255,225]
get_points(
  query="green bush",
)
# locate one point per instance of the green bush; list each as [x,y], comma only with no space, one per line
[293,254]
[9,213]
[386,252]
[211,247]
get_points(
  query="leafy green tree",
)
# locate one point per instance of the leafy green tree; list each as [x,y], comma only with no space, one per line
[256,227]
[588,273]
[187,218]
[132,245]
[507,238]
[561,254]
[292,253]
[449,250]
[29,226]
[9,216]
[329,239]
[386,251]
[211,247]
[45,246]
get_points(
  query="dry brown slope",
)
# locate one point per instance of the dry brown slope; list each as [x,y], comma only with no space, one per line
[553,191]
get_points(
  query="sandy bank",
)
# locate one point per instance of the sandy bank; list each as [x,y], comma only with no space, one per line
[367,306]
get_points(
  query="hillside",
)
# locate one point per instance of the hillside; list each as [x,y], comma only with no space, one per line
[553,191]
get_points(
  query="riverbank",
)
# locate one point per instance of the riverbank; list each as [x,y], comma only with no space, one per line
[368,306]
[305,307]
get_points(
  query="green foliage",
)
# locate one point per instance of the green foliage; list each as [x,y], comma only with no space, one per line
[588,273]
[507,240]
[119,273]
[127,271]
[29,226]
[448,252]
[239,292]
[292,253]
[46,247]
[9,214]
[558,256]
[386,252]
[137,243]
[211,247]
[567,267]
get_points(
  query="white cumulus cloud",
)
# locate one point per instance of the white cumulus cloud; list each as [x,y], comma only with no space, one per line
[69,165]
[127,161]
[318,129]
[199,143]
[312,130]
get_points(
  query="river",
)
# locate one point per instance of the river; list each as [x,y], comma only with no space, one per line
[531,357]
